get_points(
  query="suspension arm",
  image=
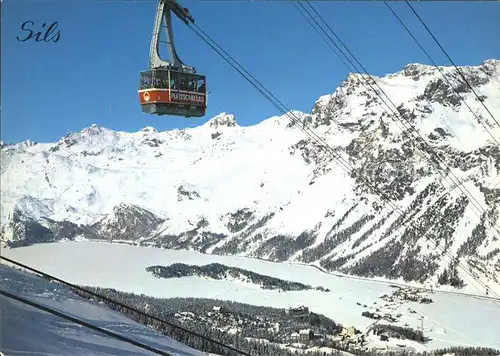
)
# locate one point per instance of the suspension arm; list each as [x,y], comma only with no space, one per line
[163,19]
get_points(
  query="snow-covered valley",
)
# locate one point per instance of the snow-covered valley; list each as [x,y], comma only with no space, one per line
[268,191]
[450,320]
[269,200]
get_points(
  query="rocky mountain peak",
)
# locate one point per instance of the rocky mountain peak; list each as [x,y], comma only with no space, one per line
[148,129]
[222,120]
[416,70]
[94,130]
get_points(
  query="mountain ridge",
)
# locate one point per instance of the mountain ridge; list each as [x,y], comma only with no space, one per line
[268,191]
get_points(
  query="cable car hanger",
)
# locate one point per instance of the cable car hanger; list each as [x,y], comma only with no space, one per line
[163,12]
[170,87]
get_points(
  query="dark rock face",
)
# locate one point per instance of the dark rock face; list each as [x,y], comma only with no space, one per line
[127,223]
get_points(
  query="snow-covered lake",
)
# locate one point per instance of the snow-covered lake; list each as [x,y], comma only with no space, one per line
[450,320]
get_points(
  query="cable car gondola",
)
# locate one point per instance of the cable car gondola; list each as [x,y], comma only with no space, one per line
[170,88]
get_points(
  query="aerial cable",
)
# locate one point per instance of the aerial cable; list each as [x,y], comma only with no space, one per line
[84,323]
[128,307]
[412,129]
[329,44]
[351,69]
[337,157]
[449,58]
[438,68]
[474,201]
[342,162]
[275,101]
[292,117]
[442,73]
[476,204]
[289,114]
[349,169]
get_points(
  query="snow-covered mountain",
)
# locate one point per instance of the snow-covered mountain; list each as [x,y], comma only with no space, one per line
[269,191]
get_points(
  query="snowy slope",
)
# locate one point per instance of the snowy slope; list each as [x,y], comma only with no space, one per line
[27,330]
[267,191]
[451,320]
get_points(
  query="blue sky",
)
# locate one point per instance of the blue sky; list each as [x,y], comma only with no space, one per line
[91,74]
